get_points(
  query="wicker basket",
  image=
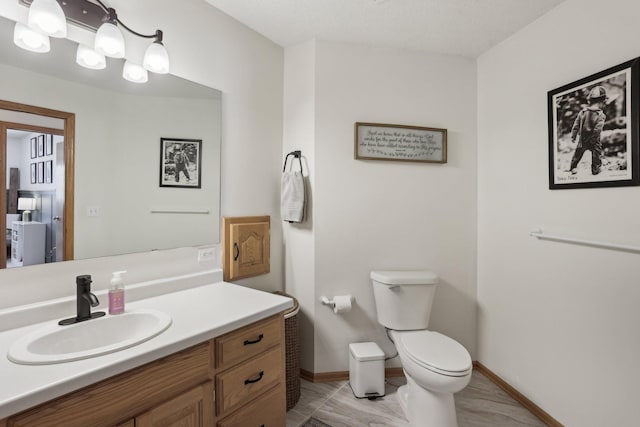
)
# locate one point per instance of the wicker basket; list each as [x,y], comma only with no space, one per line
[292,344]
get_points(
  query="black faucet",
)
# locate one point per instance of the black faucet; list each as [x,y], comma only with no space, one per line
[85,300]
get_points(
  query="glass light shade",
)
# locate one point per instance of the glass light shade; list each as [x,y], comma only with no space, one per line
[134,73]
[47,17]
[156,58]
[29,39]
[109,41]
[89,58]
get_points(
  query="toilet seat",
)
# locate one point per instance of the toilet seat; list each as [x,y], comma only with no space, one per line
[433,351]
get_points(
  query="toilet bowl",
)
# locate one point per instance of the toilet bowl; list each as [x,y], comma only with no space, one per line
[435,365]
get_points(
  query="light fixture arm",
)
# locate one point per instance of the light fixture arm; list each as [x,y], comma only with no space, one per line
[112,17]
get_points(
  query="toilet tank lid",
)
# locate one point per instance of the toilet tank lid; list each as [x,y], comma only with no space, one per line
[405,277]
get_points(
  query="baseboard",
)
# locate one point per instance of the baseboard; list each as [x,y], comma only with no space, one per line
[324,377]
[516,395]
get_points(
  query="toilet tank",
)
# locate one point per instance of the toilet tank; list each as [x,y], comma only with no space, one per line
[404,298]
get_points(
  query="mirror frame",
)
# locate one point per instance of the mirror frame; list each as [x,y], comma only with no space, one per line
[69,120]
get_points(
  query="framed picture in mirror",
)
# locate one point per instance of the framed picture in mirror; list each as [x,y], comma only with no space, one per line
[34,147]
[48,172]
[34,176]
[40,145]
[180,162]
[40,172]
[48,145]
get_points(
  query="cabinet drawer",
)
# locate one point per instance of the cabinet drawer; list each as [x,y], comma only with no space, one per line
[245,343]
[268,411]
[245,382]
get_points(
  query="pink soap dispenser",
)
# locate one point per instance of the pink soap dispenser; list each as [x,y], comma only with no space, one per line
[116,293]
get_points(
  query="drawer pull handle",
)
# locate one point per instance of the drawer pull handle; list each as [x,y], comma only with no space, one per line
[260,375]
[236,251]
[248,342]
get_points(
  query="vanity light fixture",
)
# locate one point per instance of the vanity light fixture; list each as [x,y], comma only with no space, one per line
[30,40]
[109,39]
[134,73]
[47,17]
[89,58]
[50,18]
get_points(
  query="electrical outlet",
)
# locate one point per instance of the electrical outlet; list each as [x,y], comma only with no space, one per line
[93,211]
[206,254]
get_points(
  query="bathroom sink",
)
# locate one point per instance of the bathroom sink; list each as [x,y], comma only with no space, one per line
[58,344]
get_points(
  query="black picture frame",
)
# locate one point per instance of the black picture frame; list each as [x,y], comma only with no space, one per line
[48,145]
[48,172]
[609,158]
[40,172]
[34,147]
[34,174]
[40,145]
[171,173]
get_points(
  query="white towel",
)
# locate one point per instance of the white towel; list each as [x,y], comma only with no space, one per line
[293,199]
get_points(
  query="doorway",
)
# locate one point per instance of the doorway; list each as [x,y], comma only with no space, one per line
[48,158]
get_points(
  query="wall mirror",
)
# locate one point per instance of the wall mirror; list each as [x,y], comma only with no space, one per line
[121,148]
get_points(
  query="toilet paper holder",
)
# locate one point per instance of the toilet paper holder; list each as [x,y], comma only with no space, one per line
[331,303]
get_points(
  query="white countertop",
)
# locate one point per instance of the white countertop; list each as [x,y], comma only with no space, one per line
[199,314]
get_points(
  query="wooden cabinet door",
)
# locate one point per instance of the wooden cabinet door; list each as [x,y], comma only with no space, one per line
[193,408]
[130,423]
[246,247]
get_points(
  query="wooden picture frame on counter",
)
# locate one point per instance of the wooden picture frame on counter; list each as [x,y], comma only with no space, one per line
[376,141]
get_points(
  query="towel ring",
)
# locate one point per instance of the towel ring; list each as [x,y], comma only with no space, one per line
[296,155]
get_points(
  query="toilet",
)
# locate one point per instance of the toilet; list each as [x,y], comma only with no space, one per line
[435,365]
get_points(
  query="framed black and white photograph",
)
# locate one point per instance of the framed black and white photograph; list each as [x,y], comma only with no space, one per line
[48,172]
[34,174]
[593,130]
[180,162]
[48,145]
[40,145]
[34,147]
[40,172]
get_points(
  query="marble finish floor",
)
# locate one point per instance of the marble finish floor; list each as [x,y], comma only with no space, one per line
[481,404]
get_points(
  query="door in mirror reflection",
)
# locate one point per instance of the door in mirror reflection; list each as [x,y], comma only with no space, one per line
[32,209]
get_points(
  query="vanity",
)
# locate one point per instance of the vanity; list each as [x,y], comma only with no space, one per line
[220,363]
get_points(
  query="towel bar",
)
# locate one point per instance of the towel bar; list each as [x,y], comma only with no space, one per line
[540,235]
[181,211]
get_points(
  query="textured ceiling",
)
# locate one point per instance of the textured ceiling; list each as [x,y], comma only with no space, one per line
[458,27]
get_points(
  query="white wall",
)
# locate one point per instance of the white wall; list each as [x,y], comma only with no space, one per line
[208,47]
[299,239]
[557,321]
[388,215]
